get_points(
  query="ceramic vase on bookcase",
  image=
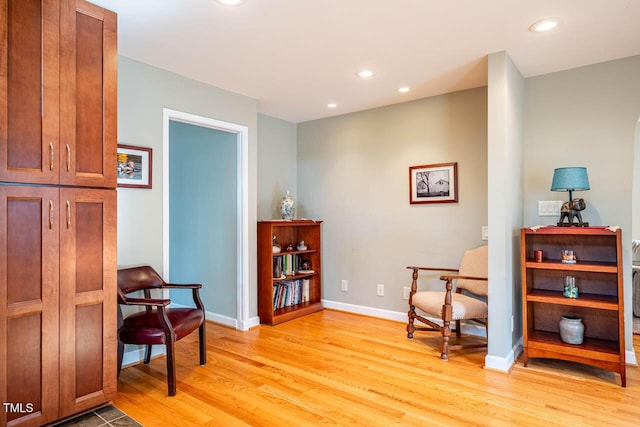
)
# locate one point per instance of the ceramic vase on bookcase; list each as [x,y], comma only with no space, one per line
[288,207]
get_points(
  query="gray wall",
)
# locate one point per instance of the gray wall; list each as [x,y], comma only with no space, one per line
[203,215]
[505,118]
[143,92]
[585,117]
[353,173]
[277,160]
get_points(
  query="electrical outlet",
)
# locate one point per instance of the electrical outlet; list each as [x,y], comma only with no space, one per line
[405,292]
[380,290]
[344,286]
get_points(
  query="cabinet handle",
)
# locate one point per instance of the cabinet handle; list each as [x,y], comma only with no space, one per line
[68,157]
[68,214]
[50,214]
[52,156]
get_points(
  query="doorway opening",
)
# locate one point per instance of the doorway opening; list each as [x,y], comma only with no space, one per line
[239,248]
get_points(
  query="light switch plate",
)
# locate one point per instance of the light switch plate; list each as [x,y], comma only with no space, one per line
[485,232]
[549,207]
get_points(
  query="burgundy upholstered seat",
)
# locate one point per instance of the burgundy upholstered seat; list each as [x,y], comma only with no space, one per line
[158,324]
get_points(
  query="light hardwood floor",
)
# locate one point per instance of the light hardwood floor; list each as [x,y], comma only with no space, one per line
[343,369]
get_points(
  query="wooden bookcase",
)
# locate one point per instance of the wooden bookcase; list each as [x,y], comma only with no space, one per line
[288,232]
[600,303]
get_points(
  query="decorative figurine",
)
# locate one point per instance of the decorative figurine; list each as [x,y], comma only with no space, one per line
[305,266]
[275,246]
[301,246]
[289,248]
[571,210]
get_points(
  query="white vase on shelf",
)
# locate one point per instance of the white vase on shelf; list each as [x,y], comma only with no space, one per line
[287,207]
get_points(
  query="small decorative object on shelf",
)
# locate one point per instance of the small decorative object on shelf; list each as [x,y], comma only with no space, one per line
[568,257]
[288,207]
[277,271]
[301,246]
[289,248]
[305,267]
[570,287]
[571,329]
[537,256]
[275,245]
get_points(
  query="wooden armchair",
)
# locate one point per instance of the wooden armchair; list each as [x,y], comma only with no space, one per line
[448,306]
[158,324]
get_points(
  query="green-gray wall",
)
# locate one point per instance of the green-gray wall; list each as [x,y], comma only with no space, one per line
[353,173]
[278,168]
[586,117]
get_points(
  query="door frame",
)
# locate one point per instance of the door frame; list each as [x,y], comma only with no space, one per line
[241,321]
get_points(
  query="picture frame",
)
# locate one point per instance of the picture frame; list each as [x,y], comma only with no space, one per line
[134,166]
[435,183]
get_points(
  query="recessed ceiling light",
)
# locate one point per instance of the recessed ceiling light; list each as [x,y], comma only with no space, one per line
[544,25]
[403,89]
[332,105]
[364,73]
[231,2]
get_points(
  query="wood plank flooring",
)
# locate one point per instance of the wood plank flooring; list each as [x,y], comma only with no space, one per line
[338,368]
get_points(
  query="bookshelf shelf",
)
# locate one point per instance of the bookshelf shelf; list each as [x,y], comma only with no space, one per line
[297,293]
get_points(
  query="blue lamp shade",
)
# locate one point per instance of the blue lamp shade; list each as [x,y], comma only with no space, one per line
[570,179]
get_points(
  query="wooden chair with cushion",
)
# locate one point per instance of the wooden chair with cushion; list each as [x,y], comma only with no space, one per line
[466,302]
[158,324]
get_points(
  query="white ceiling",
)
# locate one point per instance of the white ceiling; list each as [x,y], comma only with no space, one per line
[295,56]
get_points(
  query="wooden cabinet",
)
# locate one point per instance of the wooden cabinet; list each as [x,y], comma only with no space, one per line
[58,93]
[295,293]
[600,302]
[58,76]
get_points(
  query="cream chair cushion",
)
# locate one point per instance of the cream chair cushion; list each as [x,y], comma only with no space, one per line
[463,306]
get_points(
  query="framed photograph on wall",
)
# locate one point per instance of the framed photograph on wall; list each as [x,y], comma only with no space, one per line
[134,166]
[437,183]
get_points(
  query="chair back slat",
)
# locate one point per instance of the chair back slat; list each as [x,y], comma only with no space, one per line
[475,263]
[138,278]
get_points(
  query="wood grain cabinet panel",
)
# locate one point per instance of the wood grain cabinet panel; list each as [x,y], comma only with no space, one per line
[58,89]
[58,127]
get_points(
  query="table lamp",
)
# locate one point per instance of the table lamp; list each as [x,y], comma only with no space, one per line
[571,179]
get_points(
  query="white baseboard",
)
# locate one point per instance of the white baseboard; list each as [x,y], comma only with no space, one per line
[630,358]
[470,329]
[136,355]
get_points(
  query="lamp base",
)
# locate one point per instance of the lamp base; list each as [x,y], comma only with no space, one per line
[573,224]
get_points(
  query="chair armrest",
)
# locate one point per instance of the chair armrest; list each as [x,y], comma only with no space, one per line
[180,285]
[450,278]
[147,301]
[430,268]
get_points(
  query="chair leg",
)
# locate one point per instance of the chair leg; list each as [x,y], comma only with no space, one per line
[171,368]
[410,326]
[203,345]
[446,333]
[458,328]
[147,354]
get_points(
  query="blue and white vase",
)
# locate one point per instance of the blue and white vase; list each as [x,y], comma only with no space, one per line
[288,207]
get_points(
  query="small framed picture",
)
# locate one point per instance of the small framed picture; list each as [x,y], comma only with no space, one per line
[437,183]
[134,166]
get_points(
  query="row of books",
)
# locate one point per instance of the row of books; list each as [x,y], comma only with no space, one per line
[289,264]
[290,293]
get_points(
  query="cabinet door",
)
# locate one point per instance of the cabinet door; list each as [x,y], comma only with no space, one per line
[28,305]
[29,94]
[88,95]
[88,303]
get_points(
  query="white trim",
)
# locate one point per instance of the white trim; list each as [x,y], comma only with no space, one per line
[630,358]
[136,356]
[397,316]
[503,364]
[242,320]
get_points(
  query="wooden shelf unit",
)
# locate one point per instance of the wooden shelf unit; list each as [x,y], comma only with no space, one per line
[288,232]
[600,303]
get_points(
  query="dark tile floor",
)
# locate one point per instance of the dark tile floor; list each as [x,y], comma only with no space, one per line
[108,416]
